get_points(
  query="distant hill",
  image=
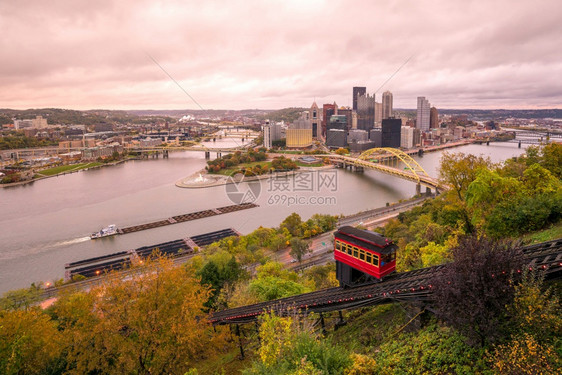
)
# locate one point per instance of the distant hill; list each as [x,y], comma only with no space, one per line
[92,117]
[286,114]
[498,114]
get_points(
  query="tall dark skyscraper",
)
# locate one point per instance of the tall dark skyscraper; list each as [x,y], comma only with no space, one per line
[391,128]
[433,118]
[357,91]
[328,110]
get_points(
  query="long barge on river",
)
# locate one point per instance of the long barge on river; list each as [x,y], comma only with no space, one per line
[182,218]
[184,247]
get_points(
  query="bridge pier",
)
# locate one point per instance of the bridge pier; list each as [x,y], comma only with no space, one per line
[519,146]
[487,143]
[207,155]
[359,169]
[427,190]
[418,189]
[165,154]
[219,155]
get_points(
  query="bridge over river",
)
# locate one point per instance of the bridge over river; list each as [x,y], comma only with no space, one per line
[390,161]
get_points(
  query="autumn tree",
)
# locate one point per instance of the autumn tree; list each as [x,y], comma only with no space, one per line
[293,223]
[152,323]
[459,170]
[471,293]
[29,342]
[21,298]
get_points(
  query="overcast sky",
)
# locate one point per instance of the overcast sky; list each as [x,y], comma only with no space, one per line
[273,54]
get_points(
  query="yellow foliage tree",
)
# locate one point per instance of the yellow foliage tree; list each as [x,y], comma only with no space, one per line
[525,355]
[29,341]
[151,323]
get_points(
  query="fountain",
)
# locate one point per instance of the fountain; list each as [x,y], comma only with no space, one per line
[197,182]
[200,179]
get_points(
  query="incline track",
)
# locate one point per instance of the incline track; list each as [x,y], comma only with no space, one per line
[406,286]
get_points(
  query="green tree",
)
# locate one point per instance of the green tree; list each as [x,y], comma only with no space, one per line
[289,346]
[459,170]
[293,223]
[273,282]
[551,158]
[299,248]
[539,180]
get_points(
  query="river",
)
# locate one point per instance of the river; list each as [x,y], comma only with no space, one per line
[45,224]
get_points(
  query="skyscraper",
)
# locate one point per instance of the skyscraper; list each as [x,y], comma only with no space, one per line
[267,142]
[328,110]
[422,121]
[433,118]
[391,128]
[315,118]
[337,131]
[348,113]
[357,91]
[386,104]
[378,113]
[366,112]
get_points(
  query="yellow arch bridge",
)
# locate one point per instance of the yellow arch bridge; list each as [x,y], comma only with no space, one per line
[391,161]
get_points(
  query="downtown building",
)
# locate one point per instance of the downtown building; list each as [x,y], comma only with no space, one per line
[358,91]
[272,132]
[423,113]
[328,110]
[433,118]
[299,133]
[407,137]
[386,105]
[391,130]
[336,135]
[315,119]
[366,112]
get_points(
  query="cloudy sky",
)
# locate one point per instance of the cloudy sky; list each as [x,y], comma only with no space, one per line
[273,54]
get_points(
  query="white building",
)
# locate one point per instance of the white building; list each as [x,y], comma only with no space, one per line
[423,114]
[407,137]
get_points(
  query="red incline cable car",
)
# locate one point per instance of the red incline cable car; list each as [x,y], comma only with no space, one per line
[362,256]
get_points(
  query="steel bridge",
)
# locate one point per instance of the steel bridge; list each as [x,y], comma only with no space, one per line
[389,160]
[412,286]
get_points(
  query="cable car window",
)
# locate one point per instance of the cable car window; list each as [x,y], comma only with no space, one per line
[355,252]
[362,254]
[348,248]
[387,258]
[375,260]
[338,245]
[368,257]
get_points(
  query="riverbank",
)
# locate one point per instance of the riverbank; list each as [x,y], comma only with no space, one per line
[42,177]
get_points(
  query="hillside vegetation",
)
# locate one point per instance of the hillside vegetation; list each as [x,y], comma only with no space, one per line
[486,318]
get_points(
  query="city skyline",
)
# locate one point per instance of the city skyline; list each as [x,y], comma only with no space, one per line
[268,55]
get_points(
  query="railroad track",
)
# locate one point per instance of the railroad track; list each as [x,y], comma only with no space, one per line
[406,286]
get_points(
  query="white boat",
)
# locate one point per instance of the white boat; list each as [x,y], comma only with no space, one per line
[105,232]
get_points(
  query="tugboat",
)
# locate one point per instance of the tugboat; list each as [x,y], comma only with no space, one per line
[110,230]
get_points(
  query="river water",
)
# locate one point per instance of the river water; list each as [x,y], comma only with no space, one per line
[45,224]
